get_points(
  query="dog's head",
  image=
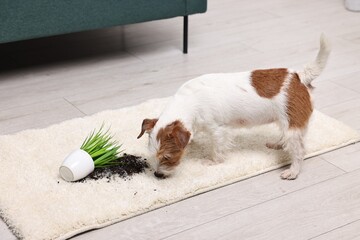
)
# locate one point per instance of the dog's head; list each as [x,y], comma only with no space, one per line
[167,143]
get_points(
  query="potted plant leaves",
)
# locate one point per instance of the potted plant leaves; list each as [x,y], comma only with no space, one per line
[97,151]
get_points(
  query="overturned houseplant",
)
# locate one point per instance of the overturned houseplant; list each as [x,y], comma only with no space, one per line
[97,151]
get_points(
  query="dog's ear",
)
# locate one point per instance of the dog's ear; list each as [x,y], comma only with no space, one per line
[147,126]
[181,136]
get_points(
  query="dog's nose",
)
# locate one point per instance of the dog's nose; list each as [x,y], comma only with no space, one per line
[159,175]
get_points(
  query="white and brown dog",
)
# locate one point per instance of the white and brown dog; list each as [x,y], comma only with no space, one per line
[216,102]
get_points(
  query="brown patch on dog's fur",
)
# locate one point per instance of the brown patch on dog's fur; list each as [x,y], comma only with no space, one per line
[299,107]
[173,140]
[268,82]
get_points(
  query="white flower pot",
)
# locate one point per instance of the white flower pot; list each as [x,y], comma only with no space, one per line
[352,5]
[76,165]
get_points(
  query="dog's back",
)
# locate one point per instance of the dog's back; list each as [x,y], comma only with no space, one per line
[256,97]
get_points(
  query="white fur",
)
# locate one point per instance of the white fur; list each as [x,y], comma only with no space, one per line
[215,103]
[313,69]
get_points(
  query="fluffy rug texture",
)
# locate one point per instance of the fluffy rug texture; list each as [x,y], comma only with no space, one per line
[37,204]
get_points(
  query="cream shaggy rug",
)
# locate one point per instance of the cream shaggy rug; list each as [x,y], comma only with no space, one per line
[37,204]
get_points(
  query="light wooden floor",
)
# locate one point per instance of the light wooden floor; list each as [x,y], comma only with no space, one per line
[49,80]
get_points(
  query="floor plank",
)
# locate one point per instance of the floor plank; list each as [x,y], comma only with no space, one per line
[346,158]
[328,94]
[36,115]
[350,81]
[5,233]
[347,111]
[347,232]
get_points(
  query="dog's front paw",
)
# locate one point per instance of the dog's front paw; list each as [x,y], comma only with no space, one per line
[289,174]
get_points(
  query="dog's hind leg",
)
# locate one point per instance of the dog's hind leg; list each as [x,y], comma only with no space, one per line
[279,145]
[294,145]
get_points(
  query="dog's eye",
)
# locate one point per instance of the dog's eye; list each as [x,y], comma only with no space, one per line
[166,157]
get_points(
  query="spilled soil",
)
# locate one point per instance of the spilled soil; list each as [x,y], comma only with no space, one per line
[129,165]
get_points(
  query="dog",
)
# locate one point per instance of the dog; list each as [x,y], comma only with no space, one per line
[215,103]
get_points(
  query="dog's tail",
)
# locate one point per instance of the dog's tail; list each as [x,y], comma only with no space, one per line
[314,69]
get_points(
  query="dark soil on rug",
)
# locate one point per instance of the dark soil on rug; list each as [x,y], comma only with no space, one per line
[129,165]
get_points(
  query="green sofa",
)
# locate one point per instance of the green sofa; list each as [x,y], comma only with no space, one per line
[27,19]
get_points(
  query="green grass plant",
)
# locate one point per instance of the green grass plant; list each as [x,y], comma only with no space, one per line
[102,148]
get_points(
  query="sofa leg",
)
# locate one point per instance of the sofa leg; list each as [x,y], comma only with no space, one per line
[186,23]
